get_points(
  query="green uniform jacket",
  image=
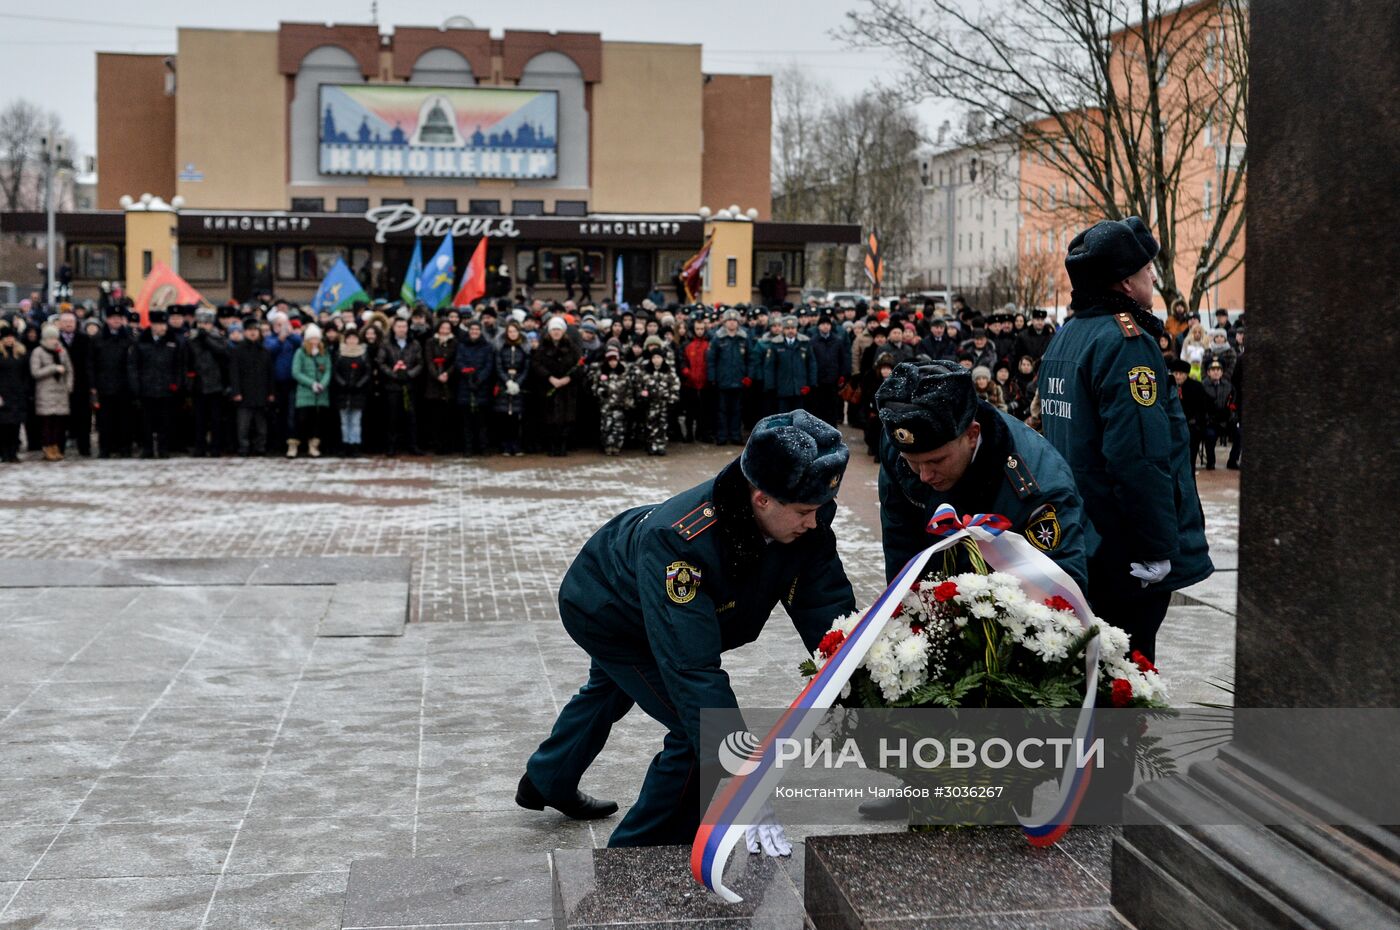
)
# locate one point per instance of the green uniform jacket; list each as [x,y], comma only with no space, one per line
[1015,473]
[308,370]
[1110,407]
[680,583]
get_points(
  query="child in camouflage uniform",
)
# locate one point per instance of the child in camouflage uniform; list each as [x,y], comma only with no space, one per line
[613,388]
[656,386]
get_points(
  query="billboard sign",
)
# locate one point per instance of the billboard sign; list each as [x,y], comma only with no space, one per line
[404,130]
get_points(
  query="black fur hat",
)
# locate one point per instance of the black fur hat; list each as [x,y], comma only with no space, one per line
[1109,251]
[795,458]
[925,405]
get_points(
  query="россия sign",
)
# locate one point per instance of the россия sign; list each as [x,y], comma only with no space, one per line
[438,132]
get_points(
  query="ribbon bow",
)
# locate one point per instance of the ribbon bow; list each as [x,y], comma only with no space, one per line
[945,522]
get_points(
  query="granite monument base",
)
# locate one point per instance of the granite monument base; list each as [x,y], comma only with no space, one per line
[1305,874]
[653,888]
[971,879]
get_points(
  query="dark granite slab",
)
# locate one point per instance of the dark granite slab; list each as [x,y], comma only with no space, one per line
[987,879]
[654,888]
[366,608]
[335,570]
[435,890]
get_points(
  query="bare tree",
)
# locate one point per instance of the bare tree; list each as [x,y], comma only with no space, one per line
[844,161]
[1118,97]
[23,127]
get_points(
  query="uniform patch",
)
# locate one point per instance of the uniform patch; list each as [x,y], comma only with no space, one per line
[1143,383]
[1043,528]
[682,582]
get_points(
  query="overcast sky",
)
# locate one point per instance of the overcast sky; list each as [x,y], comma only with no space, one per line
[47,51]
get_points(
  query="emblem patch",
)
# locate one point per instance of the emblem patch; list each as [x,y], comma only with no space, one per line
[1043,529]
[903,436]
[835,481]
[682,582]
[1143,383]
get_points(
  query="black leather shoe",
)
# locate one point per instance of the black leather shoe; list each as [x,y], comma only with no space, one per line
[580,807]
[885,809]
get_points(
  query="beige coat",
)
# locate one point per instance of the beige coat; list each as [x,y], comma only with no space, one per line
[51,389]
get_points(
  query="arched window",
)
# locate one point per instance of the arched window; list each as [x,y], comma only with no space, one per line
[557,71]
[328,64]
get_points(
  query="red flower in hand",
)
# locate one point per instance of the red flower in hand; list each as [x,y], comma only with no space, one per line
[1142,662]
[830,643]
[945,592]
[1058,603]
[1121,693]
[915,628]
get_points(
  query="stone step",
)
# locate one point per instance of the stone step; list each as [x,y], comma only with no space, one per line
[503,890]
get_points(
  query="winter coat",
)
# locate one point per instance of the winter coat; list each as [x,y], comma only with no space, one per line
[662,386]
[390,354]
[1029,342]
[206,362]
[250,374]
[439,358]
[1218,395]
[1225,356]
[107,362]
[943,348]
[476,372]
[79,349]
[283,351]
[560,360]
[694,369]
[309,370]
[611,386]
[985,357]
[350,374]
[14,385]
[1195,405]
[992,395]
[512,367]
[727,359]
[833,358]
[52,387]
[153,366]
[792,369]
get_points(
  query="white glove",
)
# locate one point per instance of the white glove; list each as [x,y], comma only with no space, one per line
[512,388]
[1150,572]
[767,835]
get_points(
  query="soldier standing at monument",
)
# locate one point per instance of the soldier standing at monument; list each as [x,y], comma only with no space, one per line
[1108,406]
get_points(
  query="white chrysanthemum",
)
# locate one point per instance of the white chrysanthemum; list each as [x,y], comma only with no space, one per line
[971,583]
[846,691]
[983,610]
[912,652]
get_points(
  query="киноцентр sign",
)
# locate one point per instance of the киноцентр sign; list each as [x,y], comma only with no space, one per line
[438,132]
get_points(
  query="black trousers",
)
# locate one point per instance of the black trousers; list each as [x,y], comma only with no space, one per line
[729,425]
[1118,598]
[80,420]
[9,441]
[114,424]
[401,420]
[252,430]
[208,422]
[475,419]
[156,424]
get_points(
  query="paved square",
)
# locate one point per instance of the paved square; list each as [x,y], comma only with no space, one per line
[195,755]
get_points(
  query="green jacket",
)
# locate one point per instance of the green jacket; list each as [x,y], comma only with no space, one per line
[682,582]
[1110,407]
[308,370]
[1015,473]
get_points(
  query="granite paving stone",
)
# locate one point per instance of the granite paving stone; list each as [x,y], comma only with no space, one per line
[41,799]
[360,792]
[310,844]
[107,692]
[484,833]
[123,798]
[37,723]
[367,608]
[307,901]
[120,850]
[76,759]
[438,890]
[110,903]
[22,847]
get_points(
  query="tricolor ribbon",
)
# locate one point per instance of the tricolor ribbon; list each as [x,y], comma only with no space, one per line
[738,804]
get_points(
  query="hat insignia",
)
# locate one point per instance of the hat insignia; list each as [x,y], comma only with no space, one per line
[835,481]
[903,436]
[1011,462]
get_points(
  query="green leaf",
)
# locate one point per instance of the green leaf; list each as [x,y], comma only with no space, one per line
[808,668]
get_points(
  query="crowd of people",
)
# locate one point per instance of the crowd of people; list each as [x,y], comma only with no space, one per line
[273,378]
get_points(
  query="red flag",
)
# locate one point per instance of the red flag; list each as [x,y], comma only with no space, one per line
[693,268]
[163,288]
[474,278]
[874,264]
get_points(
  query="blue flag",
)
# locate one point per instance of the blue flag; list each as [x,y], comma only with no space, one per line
[339,290]
[409,291]
[617,280]
[435,284]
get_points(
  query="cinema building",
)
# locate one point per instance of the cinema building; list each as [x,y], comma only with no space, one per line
[268,155]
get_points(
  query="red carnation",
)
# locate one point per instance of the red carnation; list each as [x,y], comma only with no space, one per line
[1058,603]
[1143,663]
[1122,693]
[830,643]
[916,628]
[945,592]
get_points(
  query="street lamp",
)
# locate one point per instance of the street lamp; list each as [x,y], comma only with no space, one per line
[54,158]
